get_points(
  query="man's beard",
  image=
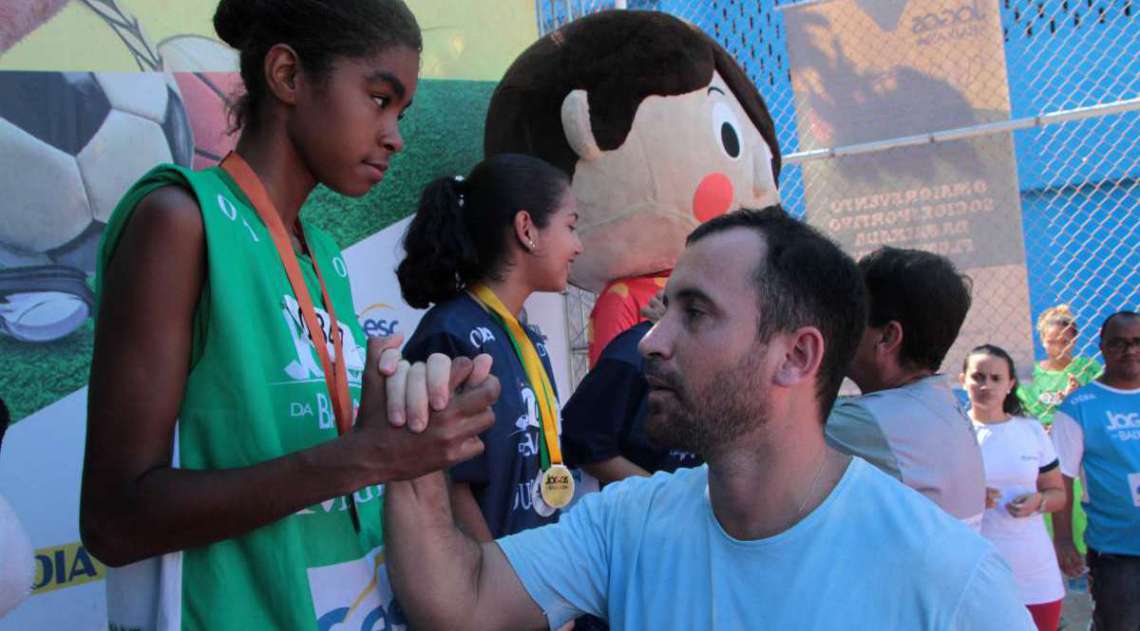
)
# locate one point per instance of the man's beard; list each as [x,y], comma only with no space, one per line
[705,421]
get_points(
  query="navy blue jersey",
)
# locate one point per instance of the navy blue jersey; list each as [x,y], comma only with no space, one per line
[503,476]
[606,415]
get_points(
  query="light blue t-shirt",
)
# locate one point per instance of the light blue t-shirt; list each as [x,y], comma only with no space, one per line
[1097,435]
[648,553]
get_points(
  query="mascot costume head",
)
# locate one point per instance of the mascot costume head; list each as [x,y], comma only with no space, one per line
[659,130]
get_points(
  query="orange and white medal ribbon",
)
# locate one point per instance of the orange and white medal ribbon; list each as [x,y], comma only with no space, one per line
[336,374]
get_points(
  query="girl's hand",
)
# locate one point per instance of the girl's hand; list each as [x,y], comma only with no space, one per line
[1024,505]
[1069,558]
[992,497]
[385,450]
[415,391]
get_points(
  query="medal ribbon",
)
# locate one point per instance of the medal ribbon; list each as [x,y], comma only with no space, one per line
[336,374]
[535,373]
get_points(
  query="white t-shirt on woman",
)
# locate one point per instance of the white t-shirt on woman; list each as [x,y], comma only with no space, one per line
[1014,452]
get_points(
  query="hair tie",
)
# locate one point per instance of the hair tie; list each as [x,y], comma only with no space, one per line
[458,189]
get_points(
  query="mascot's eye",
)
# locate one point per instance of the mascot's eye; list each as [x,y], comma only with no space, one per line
[726,129]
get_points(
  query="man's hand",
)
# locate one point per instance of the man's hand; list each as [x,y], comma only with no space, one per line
[409,390]
[1069,558]
[444,428]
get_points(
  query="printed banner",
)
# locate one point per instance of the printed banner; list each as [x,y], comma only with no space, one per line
[875,70]
[93,93]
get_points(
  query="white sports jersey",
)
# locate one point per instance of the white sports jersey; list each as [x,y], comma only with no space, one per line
[1015,452]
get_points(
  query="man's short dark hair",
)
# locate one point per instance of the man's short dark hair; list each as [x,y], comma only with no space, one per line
[804,279]
[1118,314]
[924,293]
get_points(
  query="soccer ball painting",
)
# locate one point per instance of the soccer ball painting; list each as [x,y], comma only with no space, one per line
[71,143]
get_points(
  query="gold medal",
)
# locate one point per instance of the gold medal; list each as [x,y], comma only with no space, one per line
[557,486]
[536,502]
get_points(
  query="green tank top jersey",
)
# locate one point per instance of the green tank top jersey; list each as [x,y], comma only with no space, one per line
[1041,396]
[256,391]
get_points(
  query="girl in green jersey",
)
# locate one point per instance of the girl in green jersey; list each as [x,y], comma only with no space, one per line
[1059,373]
[214,466]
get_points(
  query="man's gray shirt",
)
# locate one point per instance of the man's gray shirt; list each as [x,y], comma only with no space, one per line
[919,434]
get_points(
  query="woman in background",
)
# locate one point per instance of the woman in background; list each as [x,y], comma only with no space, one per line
[1059,373]
[477,248]
[1023,481]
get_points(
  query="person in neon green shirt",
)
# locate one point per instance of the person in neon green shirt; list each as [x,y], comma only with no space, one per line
[1054,378]
[1059,373]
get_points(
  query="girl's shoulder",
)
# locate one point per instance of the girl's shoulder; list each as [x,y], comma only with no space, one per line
[1029,425]
[1085,368]
[458,325]
[454,316]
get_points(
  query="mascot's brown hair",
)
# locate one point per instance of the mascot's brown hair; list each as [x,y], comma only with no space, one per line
[659,129]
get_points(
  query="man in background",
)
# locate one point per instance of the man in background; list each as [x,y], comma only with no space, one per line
[1097,434]
[907,421]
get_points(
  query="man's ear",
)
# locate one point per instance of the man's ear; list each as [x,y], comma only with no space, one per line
[803,358]
[576,125]
[891,339]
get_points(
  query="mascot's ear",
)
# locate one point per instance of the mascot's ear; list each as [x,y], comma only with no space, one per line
[576,125]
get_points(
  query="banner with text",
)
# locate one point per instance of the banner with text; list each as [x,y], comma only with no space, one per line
[867,71]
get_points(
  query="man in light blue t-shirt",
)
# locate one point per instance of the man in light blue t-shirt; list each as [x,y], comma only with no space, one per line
[777,531]
[1097,434]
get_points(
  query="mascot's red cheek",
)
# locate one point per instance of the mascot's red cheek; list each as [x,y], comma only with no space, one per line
[713,197]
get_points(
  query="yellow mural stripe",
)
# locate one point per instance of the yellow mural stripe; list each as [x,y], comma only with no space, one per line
[463,39]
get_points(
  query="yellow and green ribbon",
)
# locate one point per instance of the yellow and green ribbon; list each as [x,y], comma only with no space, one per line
[550,451]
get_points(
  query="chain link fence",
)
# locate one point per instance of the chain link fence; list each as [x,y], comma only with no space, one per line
[1019,162]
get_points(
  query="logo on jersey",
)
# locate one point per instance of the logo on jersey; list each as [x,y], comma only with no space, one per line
[479,336]
[1081,398]
[339,504]
[1123,421]
[528,441]
[230,211]
[1051,398]
[307,365]
[1126,426]
[683,456]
